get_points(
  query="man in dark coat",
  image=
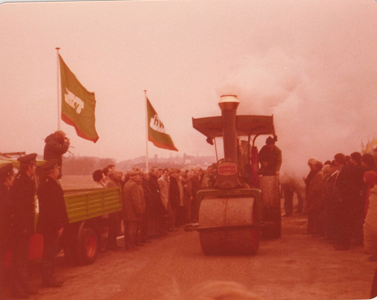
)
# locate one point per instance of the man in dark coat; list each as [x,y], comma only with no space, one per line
[114,179]
[358,207]
[343,205]
[158,211]
[6,181]
[196,186]
[52,220]
[270,158]
[56,145]
[174,197]
[133,208]
[23,209]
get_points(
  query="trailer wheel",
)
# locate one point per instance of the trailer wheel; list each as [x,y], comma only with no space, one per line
[88,247]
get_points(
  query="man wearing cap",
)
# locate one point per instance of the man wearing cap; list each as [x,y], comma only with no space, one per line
[133,208]
[22,197]
[270,158]
[6,181]
[56,145]
[52,220]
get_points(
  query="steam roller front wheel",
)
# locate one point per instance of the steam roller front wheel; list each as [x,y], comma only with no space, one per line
[226,226]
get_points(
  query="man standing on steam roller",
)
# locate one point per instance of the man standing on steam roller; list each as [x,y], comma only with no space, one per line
[270,158]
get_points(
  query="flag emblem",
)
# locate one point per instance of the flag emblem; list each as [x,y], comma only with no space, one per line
[156,130]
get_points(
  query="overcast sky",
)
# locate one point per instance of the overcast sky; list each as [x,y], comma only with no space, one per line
[310,63]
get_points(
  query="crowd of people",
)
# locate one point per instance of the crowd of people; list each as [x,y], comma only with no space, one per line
[340,199]
[154,202]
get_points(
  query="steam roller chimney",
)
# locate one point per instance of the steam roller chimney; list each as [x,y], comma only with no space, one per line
[229,105]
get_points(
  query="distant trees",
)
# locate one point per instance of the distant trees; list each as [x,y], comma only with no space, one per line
[84,165]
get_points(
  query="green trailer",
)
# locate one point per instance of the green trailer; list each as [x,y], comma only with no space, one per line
[88,212]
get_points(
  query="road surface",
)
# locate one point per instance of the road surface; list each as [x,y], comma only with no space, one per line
[297,266]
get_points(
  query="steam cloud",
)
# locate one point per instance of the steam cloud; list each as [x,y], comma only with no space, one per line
[319,110]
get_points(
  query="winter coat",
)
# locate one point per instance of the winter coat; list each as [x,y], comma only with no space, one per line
[157,207]
[133,201]
[23,210]
[315,192]
[52,209]
[174,193]
[54,149]
[164,190]
[272,158]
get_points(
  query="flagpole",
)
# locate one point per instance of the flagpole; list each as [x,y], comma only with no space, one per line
[57,49]
[146,131]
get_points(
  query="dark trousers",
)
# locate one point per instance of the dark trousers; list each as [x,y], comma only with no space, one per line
[358,225]
[153,225]
[162,225]
[194,210]
[315,222]
[181,213]
[49,258]
[19,262]
[343,222]
[131,234]
[144,228]
[114,225]
[288,200]
[329,222]
[172,217]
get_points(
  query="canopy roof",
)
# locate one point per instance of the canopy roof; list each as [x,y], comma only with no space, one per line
[252,125]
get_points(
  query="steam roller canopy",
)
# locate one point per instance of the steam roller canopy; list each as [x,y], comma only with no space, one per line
[227,225]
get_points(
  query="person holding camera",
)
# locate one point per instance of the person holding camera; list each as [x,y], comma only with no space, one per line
[56,145]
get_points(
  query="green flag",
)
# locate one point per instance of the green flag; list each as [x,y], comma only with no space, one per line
[78,105]
[156,130]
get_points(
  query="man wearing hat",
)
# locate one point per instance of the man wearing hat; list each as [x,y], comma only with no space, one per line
[22,197]
[133,208]
[6,181]
[270,158]
[52,219]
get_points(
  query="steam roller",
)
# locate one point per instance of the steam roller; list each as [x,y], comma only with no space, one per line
[230,213]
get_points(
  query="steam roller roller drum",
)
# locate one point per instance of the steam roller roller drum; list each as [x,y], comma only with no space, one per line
[227,226]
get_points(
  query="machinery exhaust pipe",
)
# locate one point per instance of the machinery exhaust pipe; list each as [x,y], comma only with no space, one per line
[229,105]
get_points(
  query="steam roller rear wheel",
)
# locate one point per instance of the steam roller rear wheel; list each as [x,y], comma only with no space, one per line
[227,226]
